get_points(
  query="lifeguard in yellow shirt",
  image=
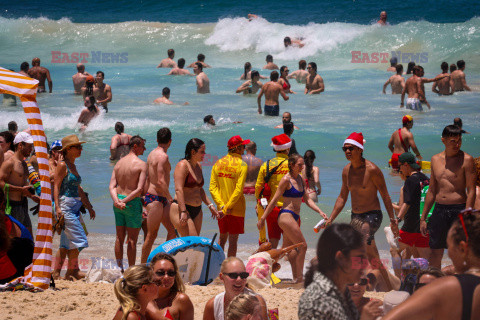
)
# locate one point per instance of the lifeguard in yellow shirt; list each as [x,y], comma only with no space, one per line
[226,186]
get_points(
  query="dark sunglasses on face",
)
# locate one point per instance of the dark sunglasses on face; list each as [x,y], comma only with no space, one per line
[235,275]
[79,147]
[348,148]
[363,282]
[162,273]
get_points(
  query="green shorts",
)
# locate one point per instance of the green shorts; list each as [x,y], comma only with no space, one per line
[131,216]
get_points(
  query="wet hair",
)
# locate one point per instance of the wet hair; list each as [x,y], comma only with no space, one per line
[192,144]
[288,128]
[119,127]
[472,225]
[251,146]
[9,137]
[292,160]
[201,57]
[207,118]
[458,122]
[269,58]
[460,64]
[165,91]
[101,72]
[313,65]
[274,75]
[453,67]
[89,86]
[178,285]
[181,63]
[477,167]
[80,67]
[410,66]
[35,62]
[444,66]
[393,61]
[287,41]
[247,67]
[416,69]
[164,135]
[241,306]
[309,157]
[199,65]
[451,131]
[12,126]
[171,53]
[399,68]
[255,73]
[126,288]
[135,140]
[337,237]
[227,261]
[24,66]
[92,103]
[282,68]
[302,64]
[437,273]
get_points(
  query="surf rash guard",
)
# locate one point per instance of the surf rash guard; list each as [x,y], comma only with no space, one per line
[226,184]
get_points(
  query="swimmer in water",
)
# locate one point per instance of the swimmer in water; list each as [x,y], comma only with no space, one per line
[288,42]
[179,70]
[251,86]
[165,98]
[301,74]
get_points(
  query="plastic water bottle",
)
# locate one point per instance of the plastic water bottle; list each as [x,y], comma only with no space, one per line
[319,226]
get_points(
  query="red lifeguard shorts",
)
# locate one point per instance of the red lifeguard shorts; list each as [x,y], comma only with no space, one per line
[414,239]
[232,224]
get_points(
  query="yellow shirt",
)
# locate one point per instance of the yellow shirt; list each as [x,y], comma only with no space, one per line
[226,184]
[275,178]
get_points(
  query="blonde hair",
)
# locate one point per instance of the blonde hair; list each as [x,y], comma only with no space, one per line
[227,261]
[126,288]
[242,305]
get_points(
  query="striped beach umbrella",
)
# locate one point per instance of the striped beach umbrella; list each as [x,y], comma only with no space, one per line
[39,272]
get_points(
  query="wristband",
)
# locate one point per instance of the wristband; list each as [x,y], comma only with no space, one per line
[210,205]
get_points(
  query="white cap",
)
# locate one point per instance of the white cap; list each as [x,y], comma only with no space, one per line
[23,137]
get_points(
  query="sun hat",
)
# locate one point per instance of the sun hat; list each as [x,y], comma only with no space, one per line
[70,141]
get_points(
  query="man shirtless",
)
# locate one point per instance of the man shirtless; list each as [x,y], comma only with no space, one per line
[314,84]
[458,81]
[383,19]
[271,90]
[168,62]
[452,188]
[178,70]
[14,179]
[393,64]
[301,74]
[442,87]
[165,98]
[287,42]
[203,83]
[396,81]
[286,117]
[24,68]
[270,65]
[253,166]
[401,141]
[40,73]
[157,197]
[363,179]
[126,188]
[201,60]
[102,91]
[79,79]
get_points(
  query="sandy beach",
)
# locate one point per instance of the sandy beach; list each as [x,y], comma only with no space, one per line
[81,300]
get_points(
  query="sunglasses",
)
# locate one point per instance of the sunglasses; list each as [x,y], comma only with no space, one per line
[348,148]
[363,282]
[235,275]
[309,68]
[162,273]
[79,147]
[461,216]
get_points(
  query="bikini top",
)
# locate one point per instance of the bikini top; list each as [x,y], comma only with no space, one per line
[468,284]
[190,182]
[293,193]
[286,85]
[70,185]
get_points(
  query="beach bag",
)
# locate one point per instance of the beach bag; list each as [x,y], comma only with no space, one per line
[103,270]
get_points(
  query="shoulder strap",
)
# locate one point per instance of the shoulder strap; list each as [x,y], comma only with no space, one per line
[401,140]
[271,172]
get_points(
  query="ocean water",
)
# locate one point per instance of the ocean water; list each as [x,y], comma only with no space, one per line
[352,101]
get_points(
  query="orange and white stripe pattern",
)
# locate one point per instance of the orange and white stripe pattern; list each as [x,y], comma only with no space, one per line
[39,272]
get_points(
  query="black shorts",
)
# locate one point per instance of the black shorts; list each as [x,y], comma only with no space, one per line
[272,110]
[372,218]
[20,212]
[440,222]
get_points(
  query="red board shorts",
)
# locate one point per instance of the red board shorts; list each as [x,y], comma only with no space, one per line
[248,190]
[274,230]
[414,239]
[231,224]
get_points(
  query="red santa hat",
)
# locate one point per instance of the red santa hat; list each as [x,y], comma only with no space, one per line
[356,139]
[281,142]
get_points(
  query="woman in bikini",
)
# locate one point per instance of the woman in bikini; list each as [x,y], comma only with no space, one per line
[134,291]
[311,174]
[292,188]
[186,210]
[251,86]
[283,81]
[120,145]
[171,301]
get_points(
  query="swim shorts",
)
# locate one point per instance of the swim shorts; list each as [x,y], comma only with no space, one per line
[271,110]
[20,212]
[372,218]
[394,161]
[74,236]
[231,224]
[149,198]
[414,239]
[274,230]
[440,222]
[414,104]
[131,216]
[249,190]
